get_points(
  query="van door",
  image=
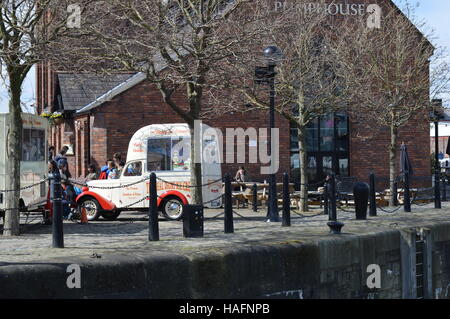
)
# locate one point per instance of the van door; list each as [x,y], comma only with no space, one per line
[132,173]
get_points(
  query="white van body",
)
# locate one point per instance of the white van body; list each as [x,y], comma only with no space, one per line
[33,167]
[163,149]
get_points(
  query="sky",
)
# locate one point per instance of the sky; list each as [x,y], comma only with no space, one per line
[434,12]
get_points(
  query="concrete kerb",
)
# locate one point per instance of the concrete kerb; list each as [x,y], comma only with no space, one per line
[115,275]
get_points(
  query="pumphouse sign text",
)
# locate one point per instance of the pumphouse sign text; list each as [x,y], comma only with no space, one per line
[345,9]
[372,11]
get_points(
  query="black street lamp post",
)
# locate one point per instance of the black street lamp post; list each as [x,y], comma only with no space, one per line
[435,117]
[266,75]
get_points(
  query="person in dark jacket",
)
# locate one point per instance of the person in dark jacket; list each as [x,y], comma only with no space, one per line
[61,158]
[51,153]
[69,197]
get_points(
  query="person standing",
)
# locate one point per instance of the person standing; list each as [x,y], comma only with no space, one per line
[112,170]
[120,169]
[61,158]
[117,158]
[92,174]
[51,153]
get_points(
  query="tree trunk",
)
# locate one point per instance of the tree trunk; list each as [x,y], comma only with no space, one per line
[14,153]
[303,165]
[196,166]
[392,162]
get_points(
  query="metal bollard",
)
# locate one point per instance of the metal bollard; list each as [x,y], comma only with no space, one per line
[56,198]
[325,199]
[286,222]
[332,193]
[255,198]
[437,190]
[373,196]
[228,220]
[361,194]
[334,225]
[444,188]
[407,195]
[153,227]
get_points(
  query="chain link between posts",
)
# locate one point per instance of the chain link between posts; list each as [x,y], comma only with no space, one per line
[108,187]
[25,187]
[140,181]
[413,201]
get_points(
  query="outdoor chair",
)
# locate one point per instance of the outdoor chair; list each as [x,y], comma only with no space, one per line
[344,188]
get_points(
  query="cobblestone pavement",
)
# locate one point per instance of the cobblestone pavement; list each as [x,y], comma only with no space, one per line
[129,234]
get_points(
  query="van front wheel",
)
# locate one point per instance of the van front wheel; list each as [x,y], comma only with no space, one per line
[172,208]
[92,208]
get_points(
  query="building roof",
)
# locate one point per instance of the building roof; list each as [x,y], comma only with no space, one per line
[159,65]
[113,91]
[79,90]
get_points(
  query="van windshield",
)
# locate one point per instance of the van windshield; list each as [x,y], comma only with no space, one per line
[168,154]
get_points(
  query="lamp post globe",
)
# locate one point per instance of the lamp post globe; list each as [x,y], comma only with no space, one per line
[273,54]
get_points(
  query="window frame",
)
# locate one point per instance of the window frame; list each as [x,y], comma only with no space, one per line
[171,170]
[319,154]
[126,167]
[45,148]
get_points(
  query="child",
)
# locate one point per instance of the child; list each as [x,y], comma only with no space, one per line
[113,172]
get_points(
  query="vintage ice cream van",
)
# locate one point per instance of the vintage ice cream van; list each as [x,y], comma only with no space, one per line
[163,149]
[33,167]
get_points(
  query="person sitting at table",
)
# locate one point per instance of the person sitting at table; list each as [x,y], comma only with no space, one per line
[241,175]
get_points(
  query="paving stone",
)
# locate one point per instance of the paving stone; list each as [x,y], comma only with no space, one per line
[129,234]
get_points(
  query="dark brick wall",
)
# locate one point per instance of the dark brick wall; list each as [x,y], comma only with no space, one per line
[114,123]
[369,149]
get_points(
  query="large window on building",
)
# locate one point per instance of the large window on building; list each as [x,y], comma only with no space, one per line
[327,144]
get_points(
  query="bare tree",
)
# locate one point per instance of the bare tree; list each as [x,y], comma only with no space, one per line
[307,85]
[180,45]
[26,27]
[390,72]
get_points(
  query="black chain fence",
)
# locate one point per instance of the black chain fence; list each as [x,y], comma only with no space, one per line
[343,187]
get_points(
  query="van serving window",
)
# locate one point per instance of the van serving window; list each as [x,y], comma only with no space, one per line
[33,145]
[168,154]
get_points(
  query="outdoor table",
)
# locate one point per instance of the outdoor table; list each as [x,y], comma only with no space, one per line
[400,192]
[247,194]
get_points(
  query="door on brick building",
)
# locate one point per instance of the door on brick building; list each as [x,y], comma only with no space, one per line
[129,195]
[327,148]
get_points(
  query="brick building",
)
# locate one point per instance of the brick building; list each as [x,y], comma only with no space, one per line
[102,113]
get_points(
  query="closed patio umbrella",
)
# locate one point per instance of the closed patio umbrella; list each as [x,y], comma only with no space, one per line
[405,168]
[405,163]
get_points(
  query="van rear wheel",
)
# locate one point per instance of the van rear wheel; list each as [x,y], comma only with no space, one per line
[172,208]
[92,208]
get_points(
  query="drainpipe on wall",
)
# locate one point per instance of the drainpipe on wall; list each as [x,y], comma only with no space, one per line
[88,127]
